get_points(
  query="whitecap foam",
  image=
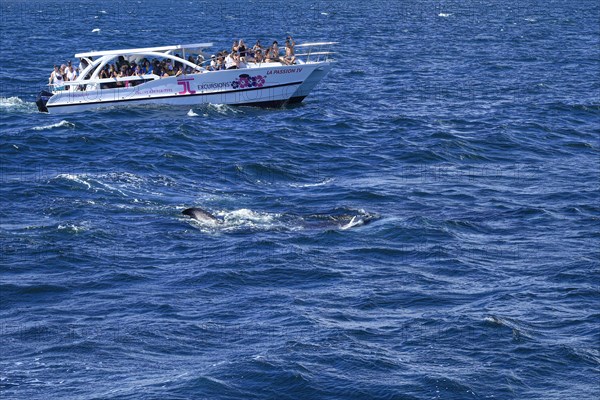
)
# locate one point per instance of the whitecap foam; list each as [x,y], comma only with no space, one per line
[444,15]
[73,228]
[61,124]
[10,101]
[222,108]
[233,221]
[191,113]
[96,30]
[307,185]
[493,320]
[15,103]
[80,179]
[245,215]
[124,184]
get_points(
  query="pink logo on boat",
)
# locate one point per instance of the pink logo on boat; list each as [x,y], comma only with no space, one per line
[186,86]
[246,81]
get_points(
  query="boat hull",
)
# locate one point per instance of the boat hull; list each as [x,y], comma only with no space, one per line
[262,86]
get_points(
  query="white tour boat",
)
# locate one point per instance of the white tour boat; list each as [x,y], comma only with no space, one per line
[266,84]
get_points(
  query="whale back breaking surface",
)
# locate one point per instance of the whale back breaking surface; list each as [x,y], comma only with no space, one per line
[342,219]
[200,215]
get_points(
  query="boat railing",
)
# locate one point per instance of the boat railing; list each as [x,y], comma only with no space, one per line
[75,85]
[315,52]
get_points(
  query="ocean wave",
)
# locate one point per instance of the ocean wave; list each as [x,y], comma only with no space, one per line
[73,228]
[307,185]
[123,183]
[62,124]
[80,179]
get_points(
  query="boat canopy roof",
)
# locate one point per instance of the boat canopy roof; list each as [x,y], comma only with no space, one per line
[123,52]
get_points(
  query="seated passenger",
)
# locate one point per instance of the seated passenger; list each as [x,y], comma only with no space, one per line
[259,57]
[235,47]
[122,74]
[240,62]
[121,61]
[271,55]
[212,65]
[169,68]
[156,67]
[275,51]
[146,69]
[188,69]
[257,46]
[113,71]
[177,63]
[220,62]
[104,74]
[163,71]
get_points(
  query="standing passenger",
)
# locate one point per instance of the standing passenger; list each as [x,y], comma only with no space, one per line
[242,50]
[231,62]
[56,77]
[275,51]
[289,51]
[71,75]
[82,66]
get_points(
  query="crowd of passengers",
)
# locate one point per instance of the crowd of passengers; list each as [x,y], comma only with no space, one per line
[239,57]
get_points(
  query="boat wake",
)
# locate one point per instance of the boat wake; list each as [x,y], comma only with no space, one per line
[223,109]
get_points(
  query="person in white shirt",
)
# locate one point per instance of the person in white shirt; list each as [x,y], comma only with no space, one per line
[56,77]
[71,73]
[82,65]
[231,62]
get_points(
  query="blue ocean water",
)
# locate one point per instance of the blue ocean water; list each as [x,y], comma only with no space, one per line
[471,128]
